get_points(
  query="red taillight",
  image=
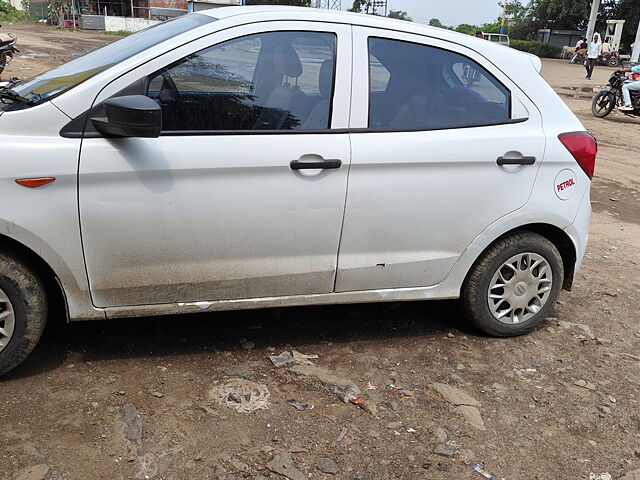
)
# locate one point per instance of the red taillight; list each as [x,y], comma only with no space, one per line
[583,147]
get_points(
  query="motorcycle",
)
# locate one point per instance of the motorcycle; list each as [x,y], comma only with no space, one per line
[7,49]
[612,59]
[611,96]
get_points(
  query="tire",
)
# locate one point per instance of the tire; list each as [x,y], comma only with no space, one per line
[614,62]
[3,62]
[530,250]
[603,103]
[23,296]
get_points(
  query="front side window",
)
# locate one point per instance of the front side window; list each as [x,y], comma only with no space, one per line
[413,86]
[266,81]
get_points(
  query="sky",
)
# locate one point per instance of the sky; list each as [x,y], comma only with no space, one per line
[450,12]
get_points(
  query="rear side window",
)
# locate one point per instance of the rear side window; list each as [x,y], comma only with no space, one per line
[266,81]
[417,87]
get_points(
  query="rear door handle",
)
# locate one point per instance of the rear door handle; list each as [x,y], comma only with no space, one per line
[314,164]
[515,158]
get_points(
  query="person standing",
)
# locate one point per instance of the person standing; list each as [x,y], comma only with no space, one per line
[593,52]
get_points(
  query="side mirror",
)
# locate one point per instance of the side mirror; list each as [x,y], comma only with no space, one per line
[130,116]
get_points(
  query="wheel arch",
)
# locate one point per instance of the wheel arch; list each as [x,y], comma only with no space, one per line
[555,235]
[56,296]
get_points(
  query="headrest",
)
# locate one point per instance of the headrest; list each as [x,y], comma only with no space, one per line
[325,80]
[286,61]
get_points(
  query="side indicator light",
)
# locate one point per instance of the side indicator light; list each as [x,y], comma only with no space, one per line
[34,182]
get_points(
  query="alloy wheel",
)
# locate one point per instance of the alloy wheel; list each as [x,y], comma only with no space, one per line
[7,320]
[520,288]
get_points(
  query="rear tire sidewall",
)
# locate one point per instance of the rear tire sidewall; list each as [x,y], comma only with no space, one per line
[29,304]
[475,300]
[610,105]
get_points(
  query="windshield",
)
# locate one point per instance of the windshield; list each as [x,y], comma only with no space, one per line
[47,85]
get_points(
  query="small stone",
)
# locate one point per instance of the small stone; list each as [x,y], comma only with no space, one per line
[592,443]
[444,450]
[467,454]
[604,409]
[454,396]
[36,472]
[247,345]
[132,424]
[326,465]
[440,434]
[393,405]
[585,384]
[157,394]
[450,335]
[472,414]
[283,464]
[394,425]
[633,475]
[411,458]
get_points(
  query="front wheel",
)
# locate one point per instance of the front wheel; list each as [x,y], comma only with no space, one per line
[513,286]
[23,312]
[603,103]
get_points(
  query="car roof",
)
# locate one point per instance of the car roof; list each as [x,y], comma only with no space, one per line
[284,12]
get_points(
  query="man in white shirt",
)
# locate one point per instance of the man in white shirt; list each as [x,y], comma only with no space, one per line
[593,52]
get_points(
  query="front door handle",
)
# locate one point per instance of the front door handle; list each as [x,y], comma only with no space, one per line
[314,164]
[515,158]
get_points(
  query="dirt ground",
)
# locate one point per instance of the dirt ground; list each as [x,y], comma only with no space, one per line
[133,398]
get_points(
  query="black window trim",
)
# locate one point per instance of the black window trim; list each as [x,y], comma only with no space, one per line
[424,129]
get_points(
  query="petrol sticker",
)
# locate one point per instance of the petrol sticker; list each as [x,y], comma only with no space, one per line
[565,184]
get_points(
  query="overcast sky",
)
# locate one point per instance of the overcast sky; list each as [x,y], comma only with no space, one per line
[450,12]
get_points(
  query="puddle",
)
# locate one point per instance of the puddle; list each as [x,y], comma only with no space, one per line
[582,89]
[581,93]
[573,95]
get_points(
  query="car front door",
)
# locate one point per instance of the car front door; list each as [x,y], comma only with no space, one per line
[425,177]
[224,204]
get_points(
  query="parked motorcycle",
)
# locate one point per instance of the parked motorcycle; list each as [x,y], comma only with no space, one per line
[7,49]
[612,59]
[611,96]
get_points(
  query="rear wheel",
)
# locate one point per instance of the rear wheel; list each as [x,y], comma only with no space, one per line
[23,312]
[513,285]
[603,104]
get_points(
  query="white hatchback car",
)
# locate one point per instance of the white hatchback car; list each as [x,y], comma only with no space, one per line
[261,157]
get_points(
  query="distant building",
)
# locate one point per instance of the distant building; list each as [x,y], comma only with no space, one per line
[115,15]
[560,37]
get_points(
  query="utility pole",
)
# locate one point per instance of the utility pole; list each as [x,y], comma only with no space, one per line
[504,12]
[635,53]
[595,6]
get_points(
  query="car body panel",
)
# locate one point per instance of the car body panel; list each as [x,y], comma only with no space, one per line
[47,219]
[229,219]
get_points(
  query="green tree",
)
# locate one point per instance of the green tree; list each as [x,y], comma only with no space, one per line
[400,15]
[435,22]
[467,28]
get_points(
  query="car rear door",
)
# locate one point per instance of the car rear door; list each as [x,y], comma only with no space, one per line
[443,144]
[224,204]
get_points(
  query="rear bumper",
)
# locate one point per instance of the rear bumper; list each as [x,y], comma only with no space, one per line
[578,230]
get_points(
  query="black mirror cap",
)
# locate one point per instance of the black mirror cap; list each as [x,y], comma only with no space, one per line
[130,116]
